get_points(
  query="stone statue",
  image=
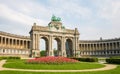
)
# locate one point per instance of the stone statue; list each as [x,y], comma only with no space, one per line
[54,18]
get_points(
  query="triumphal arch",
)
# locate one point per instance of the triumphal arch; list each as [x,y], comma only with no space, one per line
[67,39]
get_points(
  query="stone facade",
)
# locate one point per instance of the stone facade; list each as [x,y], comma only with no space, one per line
[99,48]
[68,43]
[54,31]
[14,45]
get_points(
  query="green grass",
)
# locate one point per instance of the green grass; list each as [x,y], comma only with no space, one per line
[114,71]
[77,66]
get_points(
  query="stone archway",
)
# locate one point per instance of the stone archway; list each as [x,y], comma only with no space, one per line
[46,45]
[54,30]
[69,47]
[58,51]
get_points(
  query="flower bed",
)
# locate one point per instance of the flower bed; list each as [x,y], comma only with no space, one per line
[51,60]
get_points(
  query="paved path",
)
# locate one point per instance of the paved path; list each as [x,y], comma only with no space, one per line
[107,67]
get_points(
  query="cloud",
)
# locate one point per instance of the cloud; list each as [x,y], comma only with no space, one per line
[94,18]
[12,15]
[110,11]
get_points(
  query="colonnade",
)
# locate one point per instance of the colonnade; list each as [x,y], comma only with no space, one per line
[100,48]
[16,43]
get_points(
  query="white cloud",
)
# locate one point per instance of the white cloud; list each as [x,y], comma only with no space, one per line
[71,8]
[15,16]
[90,19]
[110,11]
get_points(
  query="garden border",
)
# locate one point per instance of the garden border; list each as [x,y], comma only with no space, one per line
[107,67]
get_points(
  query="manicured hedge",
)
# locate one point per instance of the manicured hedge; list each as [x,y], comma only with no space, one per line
[113,60]
[87,59]
[10,57]
[115,57]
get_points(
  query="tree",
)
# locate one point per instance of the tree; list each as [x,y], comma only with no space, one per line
[55,52]
[43,53]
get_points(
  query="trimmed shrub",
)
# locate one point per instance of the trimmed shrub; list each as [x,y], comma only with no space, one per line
[10,57]
[87,59]
[113,60]
[115,57]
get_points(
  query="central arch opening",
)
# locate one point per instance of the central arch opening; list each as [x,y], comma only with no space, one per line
[69,48]
[56,47]
[43,46]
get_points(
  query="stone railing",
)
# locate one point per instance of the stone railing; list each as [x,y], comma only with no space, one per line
[14,35]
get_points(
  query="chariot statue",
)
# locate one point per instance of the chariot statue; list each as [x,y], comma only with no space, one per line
[54,18]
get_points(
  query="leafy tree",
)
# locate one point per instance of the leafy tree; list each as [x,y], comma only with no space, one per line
[43,53]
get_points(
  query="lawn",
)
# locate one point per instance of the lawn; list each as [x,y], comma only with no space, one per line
[114,71]
[77,66]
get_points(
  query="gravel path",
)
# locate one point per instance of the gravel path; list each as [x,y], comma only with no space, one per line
[107,67]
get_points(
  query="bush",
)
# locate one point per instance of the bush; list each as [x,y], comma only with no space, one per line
[87,59]
[10,57]
[115,57]
[113,60]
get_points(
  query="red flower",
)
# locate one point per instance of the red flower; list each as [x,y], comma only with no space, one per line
[52,60]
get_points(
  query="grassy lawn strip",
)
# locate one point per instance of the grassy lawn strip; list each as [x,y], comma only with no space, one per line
[114,71]
[20,64]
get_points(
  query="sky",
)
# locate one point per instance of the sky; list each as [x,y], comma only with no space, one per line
[93,18]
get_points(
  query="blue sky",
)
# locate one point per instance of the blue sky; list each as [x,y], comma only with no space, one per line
[93,18]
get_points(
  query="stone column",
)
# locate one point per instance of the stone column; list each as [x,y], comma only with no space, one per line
[14,42]
[119,45]
[33,53]
[102,46]
[116,45]
[50,50]
[8,42]
[90,47]
[97,46]
[11,45]
[33,42]
[26,44]
[5,42]
[84,47]
[1,41]
[75,45]
[19,44]
[38,42]
[109,46]
[112,45]
[63,49]
[36,51]
[106,46]
[23,44]
[87,46]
